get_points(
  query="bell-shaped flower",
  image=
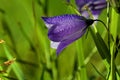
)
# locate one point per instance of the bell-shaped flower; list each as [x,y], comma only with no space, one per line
[95,6]
[65,29]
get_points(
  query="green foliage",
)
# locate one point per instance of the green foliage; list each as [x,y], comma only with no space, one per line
[25,36]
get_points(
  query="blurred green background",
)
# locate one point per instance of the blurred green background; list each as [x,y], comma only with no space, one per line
[25,36]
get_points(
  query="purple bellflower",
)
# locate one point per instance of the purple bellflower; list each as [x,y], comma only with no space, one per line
[65,29]
[95,6]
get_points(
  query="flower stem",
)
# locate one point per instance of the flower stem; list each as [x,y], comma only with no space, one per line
[108,23]
[82,73]
[102,23]
[113,30]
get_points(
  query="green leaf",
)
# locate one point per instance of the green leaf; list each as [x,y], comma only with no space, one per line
[14,66]
[98,72]
[101,46]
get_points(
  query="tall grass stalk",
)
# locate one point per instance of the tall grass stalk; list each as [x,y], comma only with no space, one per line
[14,66]
[113,30]
[81,66]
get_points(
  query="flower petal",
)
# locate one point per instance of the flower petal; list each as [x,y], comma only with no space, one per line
[47,22]
[65,29]
[70,39]
[60,19]
[65,25]
[96,6]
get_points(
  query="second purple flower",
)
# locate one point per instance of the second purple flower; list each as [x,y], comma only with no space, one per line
[95,6]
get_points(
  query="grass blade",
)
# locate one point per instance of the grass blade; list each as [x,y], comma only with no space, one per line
[14,66]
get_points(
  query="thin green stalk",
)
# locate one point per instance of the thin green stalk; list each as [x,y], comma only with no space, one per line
[99,72]
[73,8]
[54,70]
[14,66]
[113,30]
[80,52]
[113,72]
[2,74]
[39,35]
[108,23]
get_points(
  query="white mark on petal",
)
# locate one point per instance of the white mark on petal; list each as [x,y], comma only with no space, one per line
[54,44]
[49,25]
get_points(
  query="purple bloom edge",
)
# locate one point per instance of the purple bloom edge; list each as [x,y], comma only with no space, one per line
[65,29]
